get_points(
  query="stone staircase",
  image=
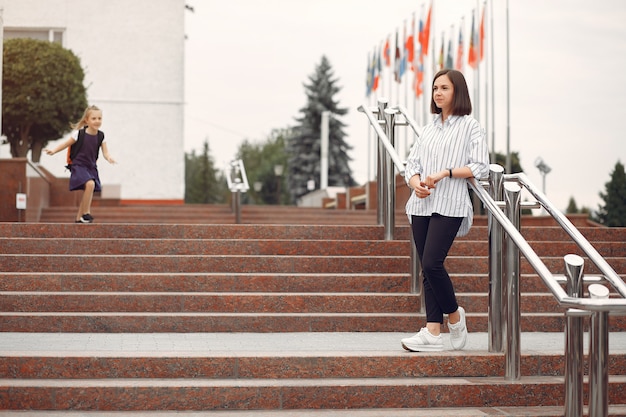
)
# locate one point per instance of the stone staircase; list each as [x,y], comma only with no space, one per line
[297,317]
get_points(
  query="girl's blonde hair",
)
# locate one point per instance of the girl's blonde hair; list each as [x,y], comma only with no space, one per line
[83,121]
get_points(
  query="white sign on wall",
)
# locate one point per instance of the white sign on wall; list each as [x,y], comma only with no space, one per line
[20,201]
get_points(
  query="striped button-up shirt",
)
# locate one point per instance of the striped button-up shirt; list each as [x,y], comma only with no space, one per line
[459,142]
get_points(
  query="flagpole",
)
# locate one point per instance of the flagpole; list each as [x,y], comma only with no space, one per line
[493,88]
[508,95]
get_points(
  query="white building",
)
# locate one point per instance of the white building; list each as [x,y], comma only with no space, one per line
[132,53]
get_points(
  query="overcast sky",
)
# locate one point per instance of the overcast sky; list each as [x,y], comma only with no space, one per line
[246,62]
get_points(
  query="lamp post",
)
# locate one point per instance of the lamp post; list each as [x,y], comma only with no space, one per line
[544,169]
[278,172]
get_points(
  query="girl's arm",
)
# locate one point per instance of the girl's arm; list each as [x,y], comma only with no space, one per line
[105,153]
[68,142]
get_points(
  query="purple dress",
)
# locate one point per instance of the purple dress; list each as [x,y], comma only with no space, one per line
[84,164]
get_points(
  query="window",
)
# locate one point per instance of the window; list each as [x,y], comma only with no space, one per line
[51,35]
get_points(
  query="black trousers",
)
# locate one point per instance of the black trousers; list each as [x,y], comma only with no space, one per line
[433,237]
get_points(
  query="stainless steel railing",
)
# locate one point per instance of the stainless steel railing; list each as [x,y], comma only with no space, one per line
[506,244]
[506,267]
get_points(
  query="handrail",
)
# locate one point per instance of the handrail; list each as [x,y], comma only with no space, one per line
[599,305]
[571,230]
[617,305]
[383,137]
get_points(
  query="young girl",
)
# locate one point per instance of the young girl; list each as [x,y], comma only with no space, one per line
[452,148]
[83,169]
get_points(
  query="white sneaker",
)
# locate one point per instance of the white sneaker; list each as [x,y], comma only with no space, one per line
[423,341]
[458,332]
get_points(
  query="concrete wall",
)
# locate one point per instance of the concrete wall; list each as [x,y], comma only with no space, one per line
[133,56]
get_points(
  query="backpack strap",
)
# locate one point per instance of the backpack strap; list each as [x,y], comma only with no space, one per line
[73,150]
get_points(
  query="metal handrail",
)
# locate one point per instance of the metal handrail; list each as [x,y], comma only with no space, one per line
[564,300]
[382,137]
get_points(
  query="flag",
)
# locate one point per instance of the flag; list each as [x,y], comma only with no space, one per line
[387,53]
[482,35]
[377,70]
[397,61]
[419,74]
[409,45]
[449,58]
[425,34]
[472,54]
[459,56]
[441,54]
[368,76]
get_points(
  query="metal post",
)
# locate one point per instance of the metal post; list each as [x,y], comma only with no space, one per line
[495,324]
[382,105]
[389,204]
[512,361]
[599,357]
[574,360]
[237,205]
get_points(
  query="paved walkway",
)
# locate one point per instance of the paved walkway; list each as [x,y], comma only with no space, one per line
[55,344]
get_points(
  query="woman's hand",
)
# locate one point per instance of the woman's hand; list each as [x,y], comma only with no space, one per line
[420,189]
[433,179]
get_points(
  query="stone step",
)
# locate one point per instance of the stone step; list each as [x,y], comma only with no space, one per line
[540,411]
[288,394]
[275,231]
[196,302]
[271,247]
[150,322]
[206,282]
[260,264]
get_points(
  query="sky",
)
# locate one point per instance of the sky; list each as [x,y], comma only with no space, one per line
[246,63]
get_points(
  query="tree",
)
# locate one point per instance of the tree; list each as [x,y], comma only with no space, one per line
[203,184]
[260,161]
[613,212]
[572,208]
[42,93]
[516,166]
[303,148]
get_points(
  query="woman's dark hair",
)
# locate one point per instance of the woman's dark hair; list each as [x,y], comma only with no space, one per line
[461,104]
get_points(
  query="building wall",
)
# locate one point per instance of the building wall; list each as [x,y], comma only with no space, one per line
[133,56]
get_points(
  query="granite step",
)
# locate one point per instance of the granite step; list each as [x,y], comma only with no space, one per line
[273,231]
[260,263]
[388,283]
[271,247]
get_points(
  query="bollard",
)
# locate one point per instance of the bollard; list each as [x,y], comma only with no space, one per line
[495,325]
[574,360]
[512,361]
[599,356]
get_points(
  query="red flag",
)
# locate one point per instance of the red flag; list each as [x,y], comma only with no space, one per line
[425,34]
[482,35]
[387,53]
[472,55]
[441,54]
[409,45]
[397,74]
[459,56]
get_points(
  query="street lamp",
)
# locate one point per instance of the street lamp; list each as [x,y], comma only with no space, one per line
[544,169]
[278,172]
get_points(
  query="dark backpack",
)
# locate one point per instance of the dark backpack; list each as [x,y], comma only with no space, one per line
[73,150]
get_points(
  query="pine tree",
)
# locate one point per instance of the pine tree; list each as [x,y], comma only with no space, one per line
[613,212]
[303,148]
[203,185]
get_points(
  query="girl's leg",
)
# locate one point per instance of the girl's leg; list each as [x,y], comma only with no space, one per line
[85,202]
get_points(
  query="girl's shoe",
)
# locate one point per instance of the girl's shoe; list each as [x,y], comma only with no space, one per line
[85,218]
[458,331]
[423,341]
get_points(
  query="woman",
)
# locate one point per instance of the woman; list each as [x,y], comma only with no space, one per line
[451,149]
